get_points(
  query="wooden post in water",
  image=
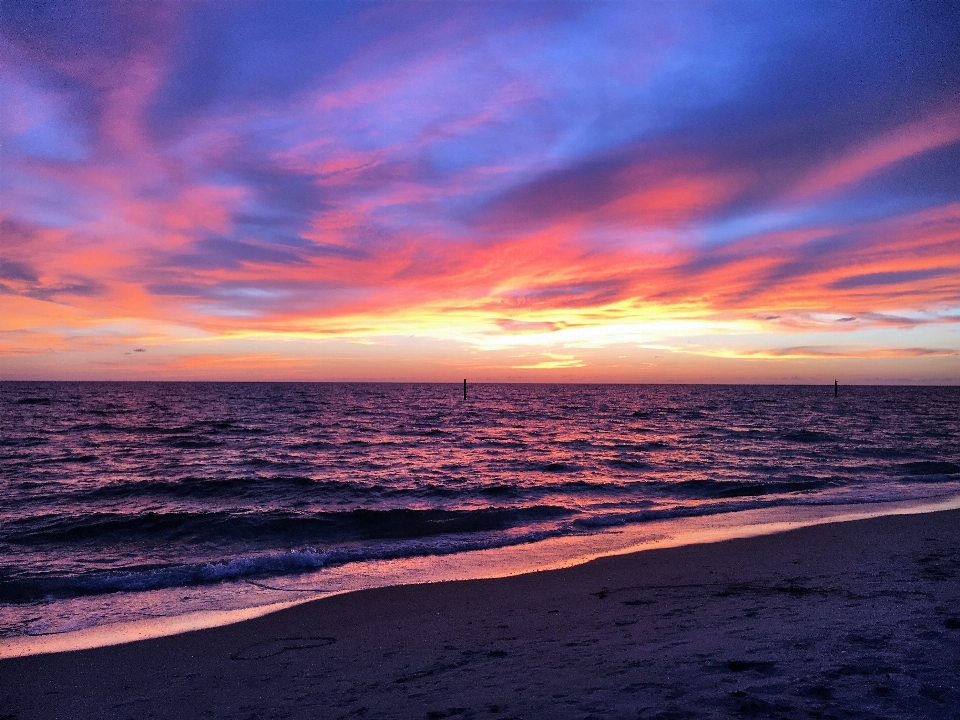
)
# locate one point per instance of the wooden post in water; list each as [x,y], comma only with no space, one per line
[836,390]
[464,388]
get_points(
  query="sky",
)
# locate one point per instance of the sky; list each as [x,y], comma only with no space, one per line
[631,192]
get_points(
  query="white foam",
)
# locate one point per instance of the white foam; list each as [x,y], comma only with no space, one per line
[550,554]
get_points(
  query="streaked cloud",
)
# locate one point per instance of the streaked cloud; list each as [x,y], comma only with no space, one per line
[510,188]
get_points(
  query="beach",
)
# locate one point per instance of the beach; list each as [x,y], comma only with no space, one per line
[852,619]
[542,360]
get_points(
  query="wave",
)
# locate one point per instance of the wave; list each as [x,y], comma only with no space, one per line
[275,488]
[190,442]
[119,425]
[807,436]
[626,464]
[653,445]
[926,468]
[192,487]
[70,458]
[718,489]
[32,588]
[23,442]
[600,521]
[275,527]
[559,467]
[103,479]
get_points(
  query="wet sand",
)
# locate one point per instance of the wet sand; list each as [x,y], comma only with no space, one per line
[854,619]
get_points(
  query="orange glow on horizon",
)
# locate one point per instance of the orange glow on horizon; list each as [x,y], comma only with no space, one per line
[532,192]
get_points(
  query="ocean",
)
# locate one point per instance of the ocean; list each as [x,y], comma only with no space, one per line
[122,501]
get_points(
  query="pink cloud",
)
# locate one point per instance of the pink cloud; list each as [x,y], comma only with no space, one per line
[869,158]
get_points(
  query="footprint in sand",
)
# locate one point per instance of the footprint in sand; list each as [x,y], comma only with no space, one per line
[276,646]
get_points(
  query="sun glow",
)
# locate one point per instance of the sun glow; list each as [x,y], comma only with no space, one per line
[565,214]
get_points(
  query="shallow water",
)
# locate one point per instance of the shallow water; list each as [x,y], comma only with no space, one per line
[125,500]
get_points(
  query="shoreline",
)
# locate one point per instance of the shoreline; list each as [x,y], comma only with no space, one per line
[858,618]
[509,561]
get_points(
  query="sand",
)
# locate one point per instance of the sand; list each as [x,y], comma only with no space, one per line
[854,619]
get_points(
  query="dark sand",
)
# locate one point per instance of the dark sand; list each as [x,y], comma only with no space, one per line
[855,619]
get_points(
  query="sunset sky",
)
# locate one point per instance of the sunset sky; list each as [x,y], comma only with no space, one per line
[520,191]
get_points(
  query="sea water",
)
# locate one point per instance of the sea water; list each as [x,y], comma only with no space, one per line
[124,501]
